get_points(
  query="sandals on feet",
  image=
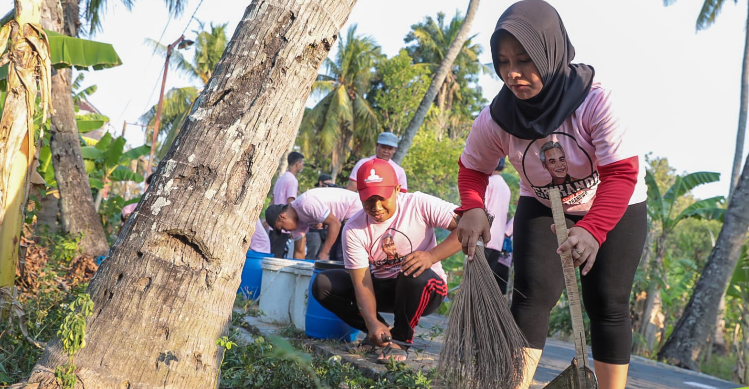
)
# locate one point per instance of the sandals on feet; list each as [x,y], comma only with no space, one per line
[389,352]
[365,345]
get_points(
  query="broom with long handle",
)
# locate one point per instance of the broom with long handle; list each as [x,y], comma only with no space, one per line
[483,346]
[578,375]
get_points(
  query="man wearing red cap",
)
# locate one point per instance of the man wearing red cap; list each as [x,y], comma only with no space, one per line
[392,261]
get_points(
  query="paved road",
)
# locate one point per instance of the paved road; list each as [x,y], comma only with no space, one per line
[643,373]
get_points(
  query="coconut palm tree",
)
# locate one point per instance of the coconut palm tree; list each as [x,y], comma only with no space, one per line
[429,42]
[176,268]
[176,107]
[342,122]
[663,210]
[692,328]
[76,202]
[209,45]
[445,68]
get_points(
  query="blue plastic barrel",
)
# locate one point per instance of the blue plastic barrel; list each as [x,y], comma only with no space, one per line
[252,275]
[321,323]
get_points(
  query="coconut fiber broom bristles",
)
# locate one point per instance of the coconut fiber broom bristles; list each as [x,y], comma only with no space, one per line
[483,346]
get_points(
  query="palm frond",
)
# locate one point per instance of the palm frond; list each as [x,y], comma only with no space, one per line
[708,14]
[175,7]
[320,88]
[366,125]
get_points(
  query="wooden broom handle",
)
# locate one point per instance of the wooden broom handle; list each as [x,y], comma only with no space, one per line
[570,281]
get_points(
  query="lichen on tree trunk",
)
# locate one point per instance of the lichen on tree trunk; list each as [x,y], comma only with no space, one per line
[165,294]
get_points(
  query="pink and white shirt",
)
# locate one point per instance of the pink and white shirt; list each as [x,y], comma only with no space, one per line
[260,241]
[286,187]
[497,203]
[591,137]
[314,205]
[381,246]
[398,171]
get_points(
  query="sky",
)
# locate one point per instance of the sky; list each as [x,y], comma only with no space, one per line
[677,89]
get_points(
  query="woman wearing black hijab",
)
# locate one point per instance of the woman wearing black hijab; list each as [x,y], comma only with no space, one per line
[554,121]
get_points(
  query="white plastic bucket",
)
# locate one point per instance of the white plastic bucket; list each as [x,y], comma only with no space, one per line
[283,292]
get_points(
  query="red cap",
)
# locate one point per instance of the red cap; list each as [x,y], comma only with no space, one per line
[376,177]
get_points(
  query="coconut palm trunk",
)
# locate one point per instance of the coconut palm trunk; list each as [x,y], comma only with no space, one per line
[165,294]
[691,331]
[76,202]
[434,87]
[27,57]
[743,108]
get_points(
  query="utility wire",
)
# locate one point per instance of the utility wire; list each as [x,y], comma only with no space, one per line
[156,84]
[192,17]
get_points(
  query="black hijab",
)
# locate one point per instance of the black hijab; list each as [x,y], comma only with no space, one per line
[539,29]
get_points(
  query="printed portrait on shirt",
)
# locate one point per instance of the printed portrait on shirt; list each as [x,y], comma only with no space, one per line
[558,161]
[389,250]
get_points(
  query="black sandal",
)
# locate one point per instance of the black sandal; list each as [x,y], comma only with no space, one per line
[389,352]
[365,345]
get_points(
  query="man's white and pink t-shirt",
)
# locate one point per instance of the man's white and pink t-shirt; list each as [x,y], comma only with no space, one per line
[314,205]
[286,187]
[381,246]
[398,172]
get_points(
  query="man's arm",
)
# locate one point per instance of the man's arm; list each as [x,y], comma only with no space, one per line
[419,261]
[299,248]
[351,185]
[334,227]
[290,199]
[365,300]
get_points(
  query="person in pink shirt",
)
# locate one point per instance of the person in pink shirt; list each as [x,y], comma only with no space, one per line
[330,207]
[560,129]
[498,204]
[392,261]
[387,145]
[286,187]
[285,190]
[127,211]
[260,241]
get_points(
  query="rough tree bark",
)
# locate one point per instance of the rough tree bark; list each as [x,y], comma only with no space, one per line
[165,293]
[76,203]
[691,331]
[437,80]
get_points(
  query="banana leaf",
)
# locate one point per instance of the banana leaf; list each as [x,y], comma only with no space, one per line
[90,122]
[122,173]
[82,54]
[91,153]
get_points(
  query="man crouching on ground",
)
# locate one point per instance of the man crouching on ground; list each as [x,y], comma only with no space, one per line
[392,262]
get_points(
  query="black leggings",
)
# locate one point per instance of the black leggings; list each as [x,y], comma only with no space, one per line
[501,272]
[605,289]
[407,297]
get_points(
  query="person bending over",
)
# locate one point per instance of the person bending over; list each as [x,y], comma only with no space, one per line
[330,207]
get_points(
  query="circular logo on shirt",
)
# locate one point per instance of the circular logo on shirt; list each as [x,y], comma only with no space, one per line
[558,161]
[389,250]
